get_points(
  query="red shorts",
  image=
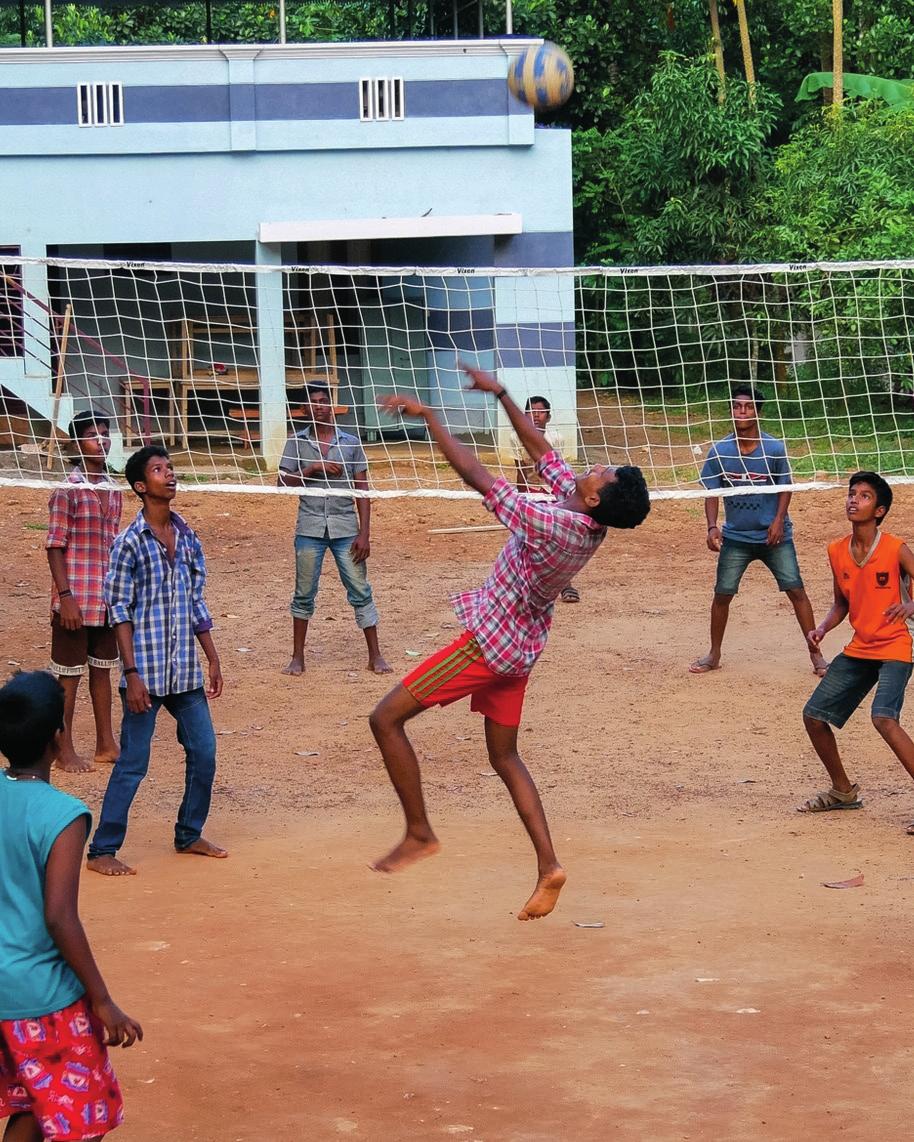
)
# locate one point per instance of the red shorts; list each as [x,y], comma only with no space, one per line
[56,1068]
[460,669]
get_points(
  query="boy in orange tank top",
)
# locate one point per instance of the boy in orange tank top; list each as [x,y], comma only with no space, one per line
[872,574]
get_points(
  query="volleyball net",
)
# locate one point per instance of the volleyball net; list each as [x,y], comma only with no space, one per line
[637,364]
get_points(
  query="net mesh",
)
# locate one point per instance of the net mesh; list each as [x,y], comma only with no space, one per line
[637,363]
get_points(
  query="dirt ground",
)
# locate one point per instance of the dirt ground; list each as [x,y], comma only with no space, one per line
[290,993]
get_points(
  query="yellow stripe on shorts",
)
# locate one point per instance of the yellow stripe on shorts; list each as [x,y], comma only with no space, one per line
[456,662]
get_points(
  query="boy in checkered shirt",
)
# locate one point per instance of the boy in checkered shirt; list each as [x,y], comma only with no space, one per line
[506,624]
[154,591]
[84,518]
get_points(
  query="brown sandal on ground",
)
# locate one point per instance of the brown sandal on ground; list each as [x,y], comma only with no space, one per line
[570,595]
[830,799]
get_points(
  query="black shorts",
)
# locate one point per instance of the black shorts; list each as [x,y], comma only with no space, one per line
[73,650]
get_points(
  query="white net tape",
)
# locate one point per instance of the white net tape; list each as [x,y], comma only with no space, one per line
[637,364]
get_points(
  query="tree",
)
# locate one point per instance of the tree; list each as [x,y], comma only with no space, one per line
[676,181]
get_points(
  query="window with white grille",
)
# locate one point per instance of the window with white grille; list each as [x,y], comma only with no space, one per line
[381,99]
[100,104]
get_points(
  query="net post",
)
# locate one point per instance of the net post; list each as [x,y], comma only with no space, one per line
[271,355]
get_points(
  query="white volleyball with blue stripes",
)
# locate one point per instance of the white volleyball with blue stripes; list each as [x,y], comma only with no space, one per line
[542,77]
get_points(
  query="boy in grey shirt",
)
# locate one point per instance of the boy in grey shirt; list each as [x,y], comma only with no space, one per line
[322,456]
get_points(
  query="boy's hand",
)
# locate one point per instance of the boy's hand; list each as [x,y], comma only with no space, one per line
[361,548]
[215,679]
[138,700]
[775,533]
[71,617]
[322,468]
[481,381]
[121,1030]
[899,611]
[395,403]
[814,637]
[714,538]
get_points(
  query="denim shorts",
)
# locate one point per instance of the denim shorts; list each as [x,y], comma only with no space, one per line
[848,682]
[735,556]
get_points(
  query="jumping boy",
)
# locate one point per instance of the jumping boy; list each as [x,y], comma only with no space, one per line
[872,574]
[56,1015]
[539,410]
[506,623]
[323,456]
[154,591]
[84,519]
[755,527]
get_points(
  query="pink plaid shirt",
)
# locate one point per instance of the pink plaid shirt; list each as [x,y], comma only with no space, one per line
[85,531]
[511,613]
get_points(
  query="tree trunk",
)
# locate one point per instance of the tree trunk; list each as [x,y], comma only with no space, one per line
[718,48]
[746,45]
[838,55]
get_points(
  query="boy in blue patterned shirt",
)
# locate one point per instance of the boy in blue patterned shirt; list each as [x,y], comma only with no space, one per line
[154,593]
[756,527]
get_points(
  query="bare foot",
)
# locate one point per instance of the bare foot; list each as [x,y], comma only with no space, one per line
[73,763]
[407,852]
[545,895]
[109,866]
[204,848]
[819,665]
[106,753]
[296,666]
[704,665]
[379,666]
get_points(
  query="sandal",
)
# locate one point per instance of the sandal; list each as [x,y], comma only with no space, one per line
[570,595]
[832,799]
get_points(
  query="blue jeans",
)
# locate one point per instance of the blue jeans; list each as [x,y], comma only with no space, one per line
[735,557]
[195,732]
[309,559]
[848,682]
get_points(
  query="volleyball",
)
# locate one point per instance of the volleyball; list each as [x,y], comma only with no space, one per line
[542,77]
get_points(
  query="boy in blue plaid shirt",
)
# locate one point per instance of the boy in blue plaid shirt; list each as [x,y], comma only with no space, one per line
[154,593]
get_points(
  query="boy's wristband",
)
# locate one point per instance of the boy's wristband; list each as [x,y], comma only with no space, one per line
[500,394]
[64,594]
[714,527]
[130,670]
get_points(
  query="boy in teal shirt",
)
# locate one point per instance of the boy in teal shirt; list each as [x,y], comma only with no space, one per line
[56,1016]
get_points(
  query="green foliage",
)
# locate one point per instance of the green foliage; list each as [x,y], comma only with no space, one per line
[841,189]
[677,178]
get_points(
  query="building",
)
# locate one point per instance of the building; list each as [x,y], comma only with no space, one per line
[408,154]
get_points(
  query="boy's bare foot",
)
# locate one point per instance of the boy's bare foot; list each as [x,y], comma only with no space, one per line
[204,848]
[377,665]
[71,762]
[109,866]
[296,666]
[106,754]
[545,895]
[407,852]
[704,665]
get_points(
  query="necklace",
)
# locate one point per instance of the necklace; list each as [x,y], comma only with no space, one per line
[13,775]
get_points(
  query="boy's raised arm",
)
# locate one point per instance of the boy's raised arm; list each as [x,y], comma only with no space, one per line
[460,458]
[529,435]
